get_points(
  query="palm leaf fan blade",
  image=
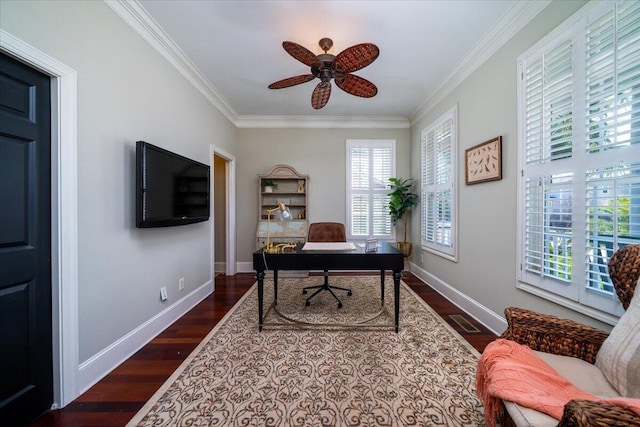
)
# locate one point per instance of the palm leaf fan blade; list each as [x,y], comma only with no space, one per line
[301,53]
[356,85]
[356,57]
[292,81]
[320,95]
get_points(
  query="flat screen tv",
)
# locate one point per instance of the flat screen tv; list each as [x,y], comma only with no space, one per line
[170,189]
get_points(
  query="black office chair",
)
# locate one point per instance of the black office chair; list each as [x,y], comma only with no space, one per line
[326,232]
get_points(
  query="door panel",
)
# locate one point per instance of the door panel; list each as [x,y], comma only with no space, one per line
[26,371]
[14,164]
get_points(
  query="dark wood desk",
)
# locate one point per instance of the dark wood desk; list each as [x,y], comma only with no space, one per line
[385,258]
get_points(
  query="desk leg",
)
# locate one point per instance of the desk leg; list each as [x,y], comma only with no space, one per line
[396,294]
[275,287]
[260,276]
[382,286]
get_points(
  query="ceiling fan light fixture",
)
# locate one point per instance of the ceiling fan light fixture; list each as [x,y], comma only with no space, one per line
[325,44]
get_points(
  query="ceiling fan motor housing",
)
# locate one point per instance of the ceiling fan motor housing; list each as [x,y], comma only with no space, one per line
[324,71]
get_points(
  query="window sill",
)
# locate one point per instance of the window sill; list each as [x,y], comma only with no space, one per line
[441,254]
[607,318]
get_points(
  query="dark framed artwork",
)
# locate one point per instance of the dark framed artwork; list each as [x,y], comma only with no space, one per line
[483,162]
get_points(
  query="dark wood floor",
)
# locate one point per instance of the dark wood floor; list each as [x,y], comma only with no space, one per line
[117,398]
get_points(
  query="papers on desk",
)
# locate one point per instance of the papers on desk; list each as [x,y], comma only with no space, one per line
[329,246]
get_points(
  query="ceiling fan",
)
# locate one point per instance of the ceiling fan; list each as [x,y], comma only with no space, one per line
[327,66]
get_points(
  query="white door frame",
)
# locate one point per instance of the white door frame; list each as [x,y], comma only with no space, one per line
[230,213]
[64,214]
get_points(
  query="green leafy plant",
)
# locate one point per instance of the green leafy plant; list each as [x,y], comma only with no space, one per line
[402,200]
[268,183]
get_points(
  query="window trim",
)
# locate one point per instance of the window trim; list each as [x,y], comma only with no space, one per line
[450,253]
[370,143]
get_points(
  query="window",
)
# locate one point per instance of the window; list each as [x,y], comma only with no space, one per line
[370,164]
[579,153]
[438,220]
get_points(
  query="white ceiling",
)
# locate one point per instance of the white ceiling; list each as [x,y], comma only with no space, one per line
[237,46]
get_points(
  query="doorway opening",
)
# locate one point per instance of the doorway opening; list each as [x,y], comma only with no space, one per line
[223,228]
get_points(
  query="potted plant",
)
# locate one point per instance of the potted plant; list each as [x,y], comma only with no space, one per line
[402,200]
[268,186]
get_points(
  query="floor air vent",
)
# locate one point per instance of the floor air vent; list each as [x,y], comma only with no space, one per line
[464,323]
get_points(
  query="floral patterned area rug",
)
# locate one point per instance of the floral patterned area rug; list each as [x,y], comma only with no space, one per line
[423,375]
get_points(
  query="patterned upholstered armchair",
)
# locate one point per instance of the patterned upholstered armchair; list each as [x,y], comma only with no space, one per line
[553,335]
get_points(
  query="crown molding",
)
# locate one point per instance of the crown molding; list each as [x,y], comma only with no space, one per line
[509,25]
[324,122]
[141,22]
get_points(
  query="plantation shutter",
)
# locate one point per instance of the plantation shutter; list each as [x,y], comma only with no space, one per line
[548,114]
[579,143]
[360,178]
[370,164]
[382,171]
[613,117]
[438,185]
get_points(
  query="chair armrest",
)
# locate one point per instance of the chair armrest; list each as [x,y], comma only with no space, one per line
[552,334]
[580,413]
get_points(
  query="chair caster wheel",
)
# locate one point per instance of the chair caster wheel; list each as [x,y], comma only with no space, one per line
[304,292]
[307,303]
[340,305]
[349,293]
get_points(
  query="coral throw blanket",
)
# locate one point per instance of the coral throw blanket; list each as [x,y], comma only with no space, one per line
[510,371]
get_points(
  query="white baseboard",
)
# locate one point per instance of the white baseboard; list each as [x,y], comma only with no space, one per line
[491,320]
[98,366]
[245,267]
[220,267]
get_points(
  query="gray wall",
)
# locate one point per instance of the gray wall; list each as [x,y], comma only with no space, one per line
[486,267]
[126,92]
[319,153]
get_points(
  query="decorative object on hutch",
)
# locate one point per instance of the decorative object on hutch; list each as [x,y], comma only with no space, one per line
[290,190]
[268,185]
[282,214]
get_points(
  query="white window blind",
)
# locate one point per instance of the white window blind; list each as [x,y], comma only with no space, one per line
[438,217]
[579,144]
[370,164]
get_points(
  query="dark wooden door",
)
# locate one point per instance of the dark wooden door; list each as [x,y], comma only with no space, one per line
[26,371]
